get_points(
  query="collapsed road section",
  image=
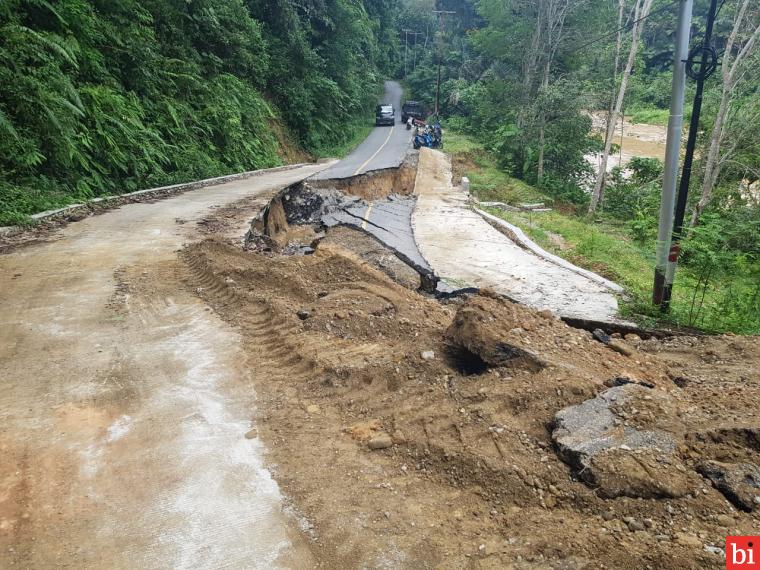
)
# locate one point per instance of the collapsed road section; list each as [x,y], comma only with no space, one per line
[474,432]
[462,247]
[428,224]
[376,205]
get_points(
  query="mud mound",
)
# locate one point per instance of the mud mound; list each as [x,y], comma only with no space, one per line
[397,454]
[508,334]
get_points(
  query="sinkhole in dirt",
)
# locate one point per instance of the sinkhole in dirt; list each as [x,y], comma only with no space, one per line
[465,361]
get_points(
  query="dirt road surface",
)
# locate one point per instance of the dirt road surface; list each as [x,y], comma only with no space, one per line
[125,401]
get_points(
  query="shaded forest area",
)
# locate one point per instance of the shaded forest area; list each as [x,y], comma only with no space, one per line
[521,79]
[100,97]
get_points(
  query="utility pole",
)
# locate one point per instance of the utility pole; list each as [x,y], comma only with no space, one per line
[414,52]
[707,64]
[406,43]
[672,148]
[441,14]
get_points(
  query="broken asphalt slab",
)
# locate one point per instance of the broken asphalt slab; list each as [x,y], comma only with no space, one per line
[615,457]
[739,482]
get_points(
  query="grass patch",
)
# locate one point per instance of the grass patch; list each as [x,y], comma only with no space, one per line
[601,247]
[606,248]
[357,130]
[653,115]
[488,183]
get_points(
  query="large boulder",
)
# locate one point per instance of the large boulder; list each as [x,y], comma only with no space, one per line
[613,455]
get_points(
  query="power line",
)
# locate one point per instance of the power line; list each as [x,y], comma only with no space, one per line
[613,32]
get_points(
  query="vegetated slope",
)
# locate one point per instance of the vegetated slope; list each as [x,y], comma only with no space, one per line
[717,285]
[107,97]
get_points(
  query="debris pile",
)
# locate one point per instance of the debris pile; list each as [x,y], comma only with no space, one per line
[476,428]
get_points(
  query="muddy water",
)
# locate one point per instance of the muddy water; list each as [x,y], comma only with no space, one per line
[634,139]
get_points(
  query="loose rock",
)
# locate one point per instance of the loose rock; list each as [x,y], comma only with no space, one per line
[739,482]
[380,441]
[619,460]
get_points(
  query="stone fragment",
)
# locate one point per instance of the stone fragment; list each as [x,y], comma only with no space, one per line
[617,459]
[601,336]
[620,348]
[739,482]
[688,540]
[380,441]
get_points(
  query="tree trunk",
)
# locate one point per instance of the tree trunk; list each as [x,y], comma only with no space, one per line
[730,79]
[529,67]
[712,165]
[542,128]
[641,10]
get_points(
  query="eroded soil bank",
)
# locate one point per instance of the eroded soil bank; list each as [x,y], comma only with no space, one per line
[405,445]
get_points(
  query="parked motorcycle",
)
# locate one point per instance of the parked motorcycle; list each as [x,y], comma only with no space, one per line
[429,136]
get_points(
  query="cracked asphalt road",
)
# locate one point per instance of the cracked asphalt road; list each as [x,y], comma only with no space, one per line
[385,147]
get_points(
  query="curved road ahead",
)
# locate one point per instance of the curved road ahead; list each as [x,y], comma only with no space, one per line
[385,147]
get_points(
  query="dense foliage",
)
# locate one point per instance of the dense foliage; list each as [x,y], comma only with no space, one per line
[521,76]
[106,97]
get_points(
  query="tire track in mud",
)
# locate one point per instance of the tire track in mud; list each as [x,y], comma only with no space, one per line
[286,348]
[264,329]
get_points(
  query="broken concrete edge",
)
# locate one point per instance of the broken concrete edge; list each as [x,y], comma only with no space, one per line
[316,182]
[148,193]
[428,279]
[519,237]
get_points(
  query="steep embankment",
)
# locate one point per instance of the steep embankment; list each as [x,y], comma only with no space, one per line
[105,98]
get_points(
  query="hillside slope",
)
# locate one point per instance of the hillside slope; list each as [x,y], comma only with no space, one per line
[109,97]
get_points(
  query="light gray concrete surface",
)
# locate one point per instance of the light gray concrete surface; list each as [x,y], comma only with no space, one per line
[152,193]
[464,249]
[385,147]
[517,235]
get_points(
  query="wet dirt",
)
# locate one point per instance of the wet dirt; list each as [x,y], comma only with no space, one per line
[175,401]
[125,401]
[403,448]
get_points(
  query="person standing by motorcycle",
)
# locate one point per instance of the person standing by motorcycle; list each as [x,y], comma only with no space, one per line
[437,135]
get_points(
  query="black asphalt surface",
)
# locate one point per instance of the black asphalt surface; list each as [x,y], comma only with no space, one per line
[385,146]
[389,220]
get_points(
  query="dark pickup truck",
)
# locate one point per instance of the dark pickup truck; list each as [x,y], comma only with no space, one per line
[412,109]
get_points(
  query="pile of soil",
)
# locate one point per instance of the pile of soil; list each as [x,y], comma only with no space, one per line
[410,432]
